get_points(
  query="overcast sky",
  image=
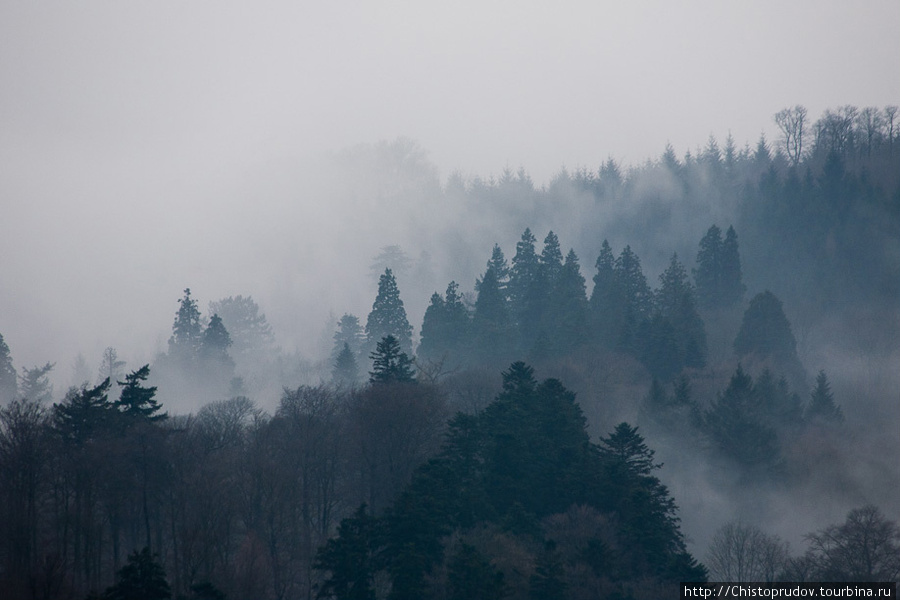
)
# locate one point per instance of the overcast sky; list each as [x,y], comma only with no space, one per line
[135,134]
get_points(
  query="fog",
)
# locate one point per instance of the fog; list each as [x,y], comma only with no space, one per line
[148,147]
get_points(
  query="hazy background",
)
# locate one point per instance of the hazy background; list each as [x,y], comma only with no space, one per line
[150,146]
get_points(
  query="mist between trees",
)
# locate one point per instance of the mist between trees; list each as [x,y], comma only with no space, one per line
[551,429]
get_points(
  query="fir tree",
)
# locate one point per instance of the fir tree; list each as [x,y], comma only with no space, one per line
[390,364]
[492,328]
[606,303]
[766,333]
[737,424]
[501,269]
[214,351]
[351,333]
[821,406]
[138,402]
[548,580]
[731,280]
[568,308]
[634,295]
[551,260]
[143,578]
[350,559]
[186,331]
[471,576]
[388,316]
[35,383]
[709,267]
[8,376]
[249,330]
[346,369]
[110,366]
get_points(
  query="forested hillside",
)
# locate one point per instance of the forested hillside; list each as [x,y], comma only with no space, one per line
[680,370]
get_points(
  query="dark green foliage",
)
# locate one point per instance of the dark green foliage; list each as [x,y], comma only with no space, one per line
[821,407]
[206,591]
[718,273]
[346,369]
[35,383]
[390,364]
[137,402]
[492,327]
[674,301]
[605,303]
[766,333]
[567,309]
[731,286]
[739,427]
[351,333]
[143,578]
[350,559]
[84,415]
[633,298]
[527,291]
[641,500]
[8,376]
[186,330]
[780,407]
[388,316]
[501,269]
[472,577]
[215,341]
[445,328]
[548,580]
[551,260]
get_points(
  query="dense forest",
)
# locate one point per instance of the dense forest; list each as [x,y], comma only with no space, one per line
[556,425]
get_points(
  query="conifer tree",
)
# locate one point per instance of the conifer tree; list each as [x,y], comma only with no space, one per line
[492,328]
[709,267]
[143,578]
[674,301]
[737,424]
[138,402]
[390,364]
[605,299]
[388,316]
[35,383]
[501,269]
[249,330]
[346,369]
[551,260]
[567,310]
[186,331]
[548,582]
[110,365]
[766,333]
[349,332]
[731,280]
[8,377]
[350,558]
[472,577]
[821,403]
[633,293]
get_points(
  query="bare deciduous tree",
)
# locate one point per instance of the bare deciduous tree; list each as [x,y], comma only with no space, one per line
[792,123]
[741,552]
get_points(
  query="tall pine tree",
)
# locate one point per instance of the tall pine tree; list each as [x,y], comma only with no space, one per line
[388,316]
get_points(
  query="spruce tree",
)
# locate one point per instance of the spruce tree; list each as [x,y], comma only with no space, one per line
[388,316]
[524,286]
[567,309]
[346,369]
[184,344]
[432,340]
[606,306]
[634,294]
[822,407]
[390,364]
[551,260]
[8,376]
[766,333]
[350,558]
[731,280]
[143,578]
[709,268]
[492,328]
[471,576]
[351,333]
[35,383]
[675,302]
[501,268]
[136,401]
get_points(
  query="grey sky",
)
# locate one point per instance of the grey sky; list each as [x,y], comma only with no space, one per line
[138,140]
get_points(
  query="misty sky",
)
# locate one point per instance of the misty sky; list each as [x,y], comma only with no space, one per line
[150,146]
